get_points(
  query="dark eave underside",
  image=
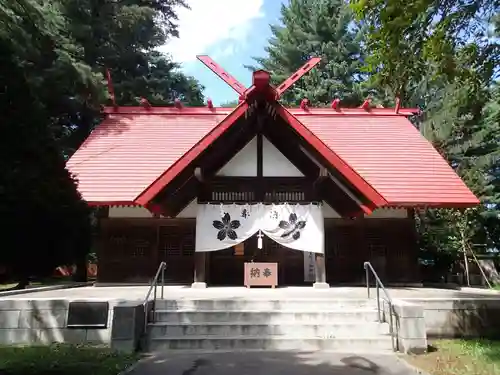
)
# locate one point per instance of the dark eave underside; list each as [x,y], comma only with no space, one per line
[186,187]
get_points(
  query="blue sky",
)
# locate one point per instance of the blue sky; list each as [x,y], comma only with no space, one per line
[229,31]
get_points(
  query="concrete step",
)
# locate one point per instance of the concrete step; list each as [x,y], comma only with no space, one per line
[289,330]
[263,304]
[380,343]
[265,317]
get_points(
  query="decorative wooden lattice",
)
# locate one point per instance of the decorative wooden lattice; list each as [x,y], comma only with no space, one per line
[252,190]
[176,246]
[233,196]
[127,252]
[387,243]
[177,240]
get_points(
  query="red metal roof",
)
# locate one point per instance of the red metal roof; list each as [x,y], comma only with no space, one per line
[207,139]
[136,151]
[390,154]
[127,152]
[344,168]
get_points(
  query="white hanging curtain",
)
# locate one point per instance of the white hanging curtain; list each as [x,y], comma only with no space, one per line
[299,227]
[221,226]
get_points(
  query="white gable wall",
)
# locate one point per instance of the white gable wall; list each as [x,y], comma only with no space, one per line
[275,164]
[244,163]
[191,209]
[383,213]
[132,211]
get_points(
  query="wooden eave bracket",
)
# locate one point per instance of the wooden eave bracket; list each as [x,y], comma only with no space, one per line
[322,175]
[199,174]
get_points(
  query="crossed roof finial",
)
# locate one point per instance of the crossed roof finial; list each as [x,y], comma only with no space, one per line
[242,90]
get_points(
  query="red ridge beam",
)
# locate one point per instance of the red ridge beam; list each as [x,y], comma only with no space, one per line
[222,74]
[297,75]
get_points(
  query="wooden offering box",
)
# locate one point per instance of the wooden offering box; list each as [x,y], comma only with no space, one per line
[261,274]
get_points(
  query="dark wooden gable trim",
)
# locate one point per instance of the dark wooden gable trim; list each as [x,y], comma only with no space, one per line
[186,186]
[334,161]
[291,145]
[193,154]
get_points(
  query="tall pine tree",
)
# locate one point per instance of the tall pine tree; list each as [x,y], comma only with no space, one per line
[122,36]
[46,222]
[54,54]
[322,28]
[441,53]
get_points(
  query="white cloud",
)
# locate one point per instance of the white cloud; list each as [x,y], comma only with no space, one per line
[210,22]
[224,50]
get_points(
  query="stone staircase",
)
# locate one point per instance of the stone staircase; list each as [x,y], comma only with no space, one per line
[348,325]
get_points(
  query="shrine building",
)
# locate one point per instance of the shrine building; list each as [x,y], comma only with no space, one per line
[313,191]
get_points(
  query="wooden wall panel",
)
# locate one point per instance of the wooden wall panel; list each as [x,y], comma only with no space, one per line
[389,244]
[126,251]
[343,251]
[226,267]
[131,249]
[176,247]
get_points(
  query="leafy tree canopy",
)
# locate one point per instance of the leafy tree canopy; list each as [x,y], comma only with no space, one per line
[443,55]
[54,54]
[46,222]
[322,28]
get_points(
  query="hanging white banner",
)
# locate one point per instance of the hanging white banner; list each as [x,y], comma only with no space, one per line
[221,226]
[299,227]
[309,267]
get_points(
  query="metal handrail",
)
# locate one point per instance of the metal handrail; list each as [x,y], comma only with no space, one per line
[379,285]
[153,287]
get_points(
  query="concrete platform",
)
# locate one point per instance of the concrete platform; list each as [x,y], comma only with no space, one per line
[134,293]
[40,317]
[273,362]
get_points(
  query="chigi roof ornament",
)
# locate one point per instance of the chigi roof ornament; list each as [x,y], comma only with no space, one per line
[156,155]
[260,80]
[260,90]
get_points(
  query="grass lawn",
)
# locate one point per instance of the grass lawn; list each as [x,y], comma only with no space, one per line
[40,283]
[460,357]
[34,284]
[63,360]
[7,286]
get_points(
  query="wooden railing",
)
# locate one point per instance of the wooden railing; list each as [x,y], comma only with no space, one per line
[253,189]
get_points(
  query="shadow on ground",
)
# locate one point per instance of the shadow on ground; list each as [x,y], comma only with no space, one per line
[473,319]
[271,363]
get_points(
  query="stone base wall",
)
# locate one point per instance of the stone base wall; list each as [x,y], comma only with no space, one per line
[44,322]
[416,320]
[461,317]
[408,325]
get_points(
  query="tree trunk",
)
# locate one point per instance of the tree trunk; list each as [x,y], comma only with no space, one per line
[23,282]
[80,274]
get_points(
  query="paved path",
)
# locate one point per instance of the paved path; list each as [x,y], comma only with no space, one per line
[272,363]
[177,292]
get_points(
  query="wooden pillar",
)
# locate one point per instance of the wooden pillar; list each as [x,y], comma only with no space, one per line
[199,270]
[320,272]
[156,255]
[102,237]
